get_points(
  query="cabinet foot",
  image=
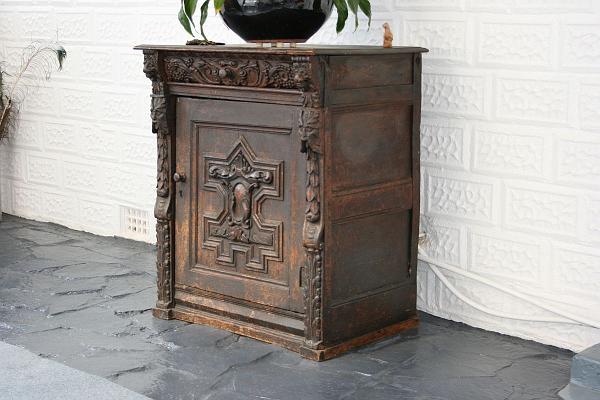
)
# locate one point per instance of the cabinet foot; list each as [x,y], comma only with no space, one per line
[327,353]
[162,313]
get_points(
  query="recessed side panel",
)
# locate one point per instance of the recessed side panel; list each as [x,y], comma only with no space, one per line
[370,71]
[368,281]
[371,314]
[371,146]
[370,254]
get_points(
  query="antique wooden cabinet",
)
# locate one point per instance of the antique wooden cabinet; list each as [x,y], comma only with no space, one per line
[288,191]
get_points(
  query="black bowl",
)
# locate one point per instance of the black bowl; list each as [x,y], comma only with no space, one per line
[276,20]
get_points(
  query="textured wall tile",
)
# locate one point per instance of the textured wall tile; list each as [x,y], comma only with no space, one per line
[128,69]
[97,65]
[503,257]
[28,203]
[162,29]
[445,40]
[490,5]
[442,242]
[30,135]
[33,202]
[40,100]
[589,104]
[454,94]
[494,299]
[140,150]
[60,207]
[460,198]
[100,143]
[581,46]
[578,269]
[6,195]
[427,4]
[12,164]
[115,28]
[516,44]
[504,152]
[43,170]
[61,138]
[553,5]
[12,57]
[541,210]
[74,26]
[579,162]
[421,286]
[127,185]
[84,177]
[533,100]
[442,142]
[592,219]
[8,23]
[99,215]
[119,107]
[78,103]
[34,25]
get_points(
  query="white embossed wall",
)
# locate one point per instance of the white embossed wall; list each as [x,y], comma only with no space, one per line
[510,141]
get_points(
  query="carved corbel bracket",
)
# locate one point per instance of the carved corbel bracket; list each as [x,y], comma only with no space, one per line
[162,208]
[310,122]
[309,132]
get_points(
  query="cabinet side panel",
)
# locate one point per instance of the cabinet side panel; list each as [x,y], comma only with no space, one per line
[371,254]
[370,146]
[369,205]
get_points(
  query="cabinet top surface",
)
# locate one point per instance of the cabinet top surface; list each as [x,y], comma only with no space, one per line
[301,50]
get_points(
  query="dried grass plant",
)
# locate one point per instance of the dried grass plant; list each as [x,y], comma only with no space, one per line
[38,61]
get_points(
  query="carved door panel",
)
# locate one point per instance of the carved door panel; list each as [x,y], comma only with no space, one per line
[238,218]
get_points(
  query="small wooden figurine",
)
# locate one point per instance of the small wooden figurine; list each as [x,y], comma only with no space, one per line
[388,36]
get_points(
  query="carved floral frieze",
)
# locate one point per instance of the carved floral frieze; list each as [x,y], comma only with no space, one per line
[237,72]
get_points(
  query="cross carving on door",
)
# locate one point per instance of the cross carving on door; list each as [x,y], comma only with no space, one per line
[244,182]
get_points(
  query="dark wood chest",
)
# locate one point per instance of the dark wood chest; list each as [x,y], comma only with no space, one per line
[288,191]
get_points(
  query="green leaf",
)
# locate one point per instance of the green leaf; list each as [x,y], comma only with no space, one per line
[61,54]
[365,6]
[219,5]
[353,5]
[190,9]
[203,17]
[184,20]
[342,10]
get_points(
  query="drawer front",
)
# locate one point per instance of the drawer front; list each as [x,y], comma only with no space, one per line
[236,214]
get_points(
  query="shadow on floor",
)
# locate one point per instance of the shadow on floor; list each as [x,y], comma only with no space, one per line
[85,301]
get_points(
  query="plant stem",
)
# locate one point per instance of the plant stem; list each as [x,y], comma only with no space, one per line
[17,79]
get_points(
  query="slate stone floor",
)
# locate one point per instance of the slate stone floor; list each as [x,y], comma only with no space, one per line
[85,300]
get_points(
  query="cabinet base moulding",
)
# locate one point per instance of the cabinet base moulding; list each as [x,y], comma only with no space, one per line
[288,341]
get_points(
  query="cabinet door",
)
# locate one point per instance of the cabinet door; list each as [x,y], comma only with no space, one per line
[239,210]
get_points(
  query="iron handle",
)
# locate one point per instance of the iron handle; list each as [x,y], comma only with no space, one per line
[177,177]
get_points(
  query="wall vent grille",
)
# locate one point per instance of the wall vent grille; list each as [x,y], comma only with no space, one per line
[135,223]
